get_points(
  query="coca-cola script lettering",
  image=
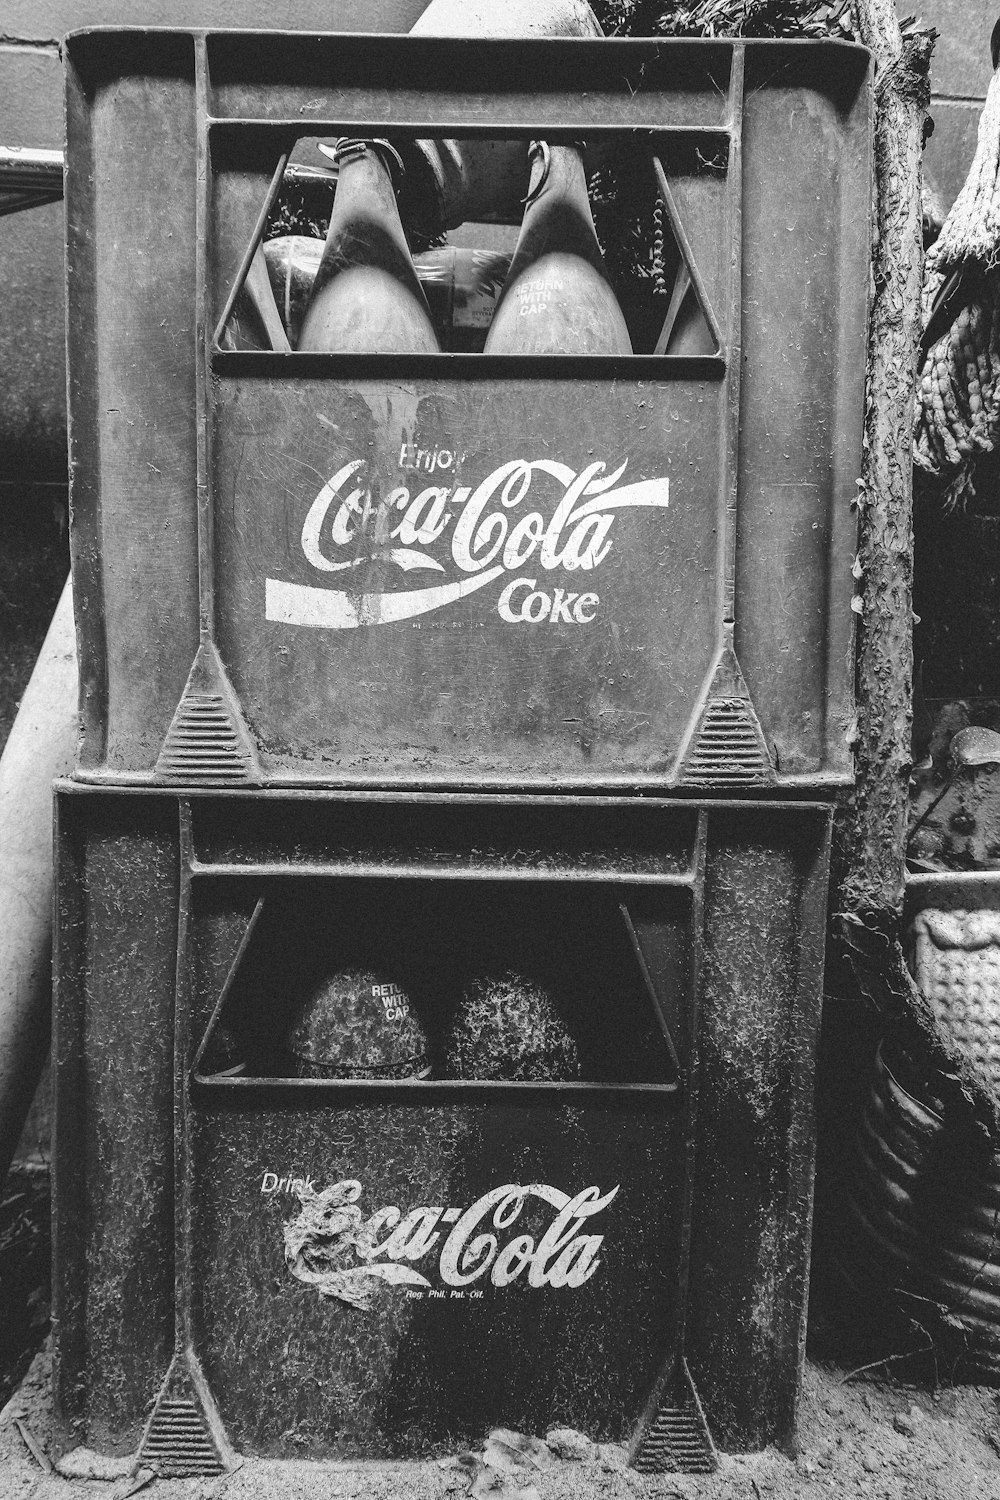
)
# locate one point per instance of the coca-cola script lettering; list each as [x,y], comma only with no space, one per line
[528,518]
[332,1247]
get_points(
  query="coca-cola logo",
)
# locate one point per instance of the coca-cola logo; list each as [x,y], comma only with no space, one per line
[525,521]
[333,1247]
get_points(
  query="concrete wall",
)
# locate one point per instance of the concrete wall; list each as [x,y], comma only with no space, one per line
[34,558]
[960,74]
[33,411]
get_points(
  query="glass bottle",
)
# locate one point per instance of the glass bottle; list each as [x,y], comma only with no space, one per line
[557,298]
[366,298]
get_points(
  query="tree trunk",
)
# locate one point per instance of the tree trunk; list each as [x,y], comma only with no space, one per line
[877,833]
[871,895]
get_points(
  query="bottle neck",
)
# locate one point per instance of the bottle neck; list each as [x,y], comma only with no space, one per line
[558,213]
[365,227]
[364,181]
[366,296]
[557,175]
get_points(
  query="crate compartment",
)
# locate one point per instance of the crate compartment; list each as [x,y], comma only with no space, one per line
[659,202]
[346,1378]
[610,967]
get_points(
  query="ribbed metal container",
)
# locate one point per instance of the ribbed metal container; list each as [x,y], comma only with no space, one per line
[922,1206]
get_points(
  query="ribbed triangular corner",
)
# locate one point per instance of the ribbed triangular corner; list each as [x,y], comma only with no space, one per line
[674,1437]
[726,747]
[184,1436]
[208,743]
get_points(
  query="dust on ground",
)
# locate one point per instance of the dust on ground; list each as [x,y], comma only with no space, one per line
[859,1436]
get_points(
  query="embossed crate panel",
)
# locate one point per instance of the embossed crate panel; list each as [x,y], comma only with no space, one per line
[561,635]
[434,1361]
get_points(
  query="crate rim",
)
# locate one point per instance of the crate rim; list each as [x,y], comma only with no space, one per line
[71,786]
[512,43]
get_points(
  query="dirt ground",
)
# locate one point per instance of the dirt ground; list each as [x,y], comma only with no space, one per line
[859,1437]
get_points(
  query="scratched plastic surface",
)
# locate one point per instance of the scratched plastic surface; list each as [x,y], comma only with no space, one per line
[459,569]
[323,1318]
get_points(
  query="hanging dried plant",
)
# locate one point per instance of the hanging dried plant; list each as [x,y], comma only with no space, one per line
[729,18]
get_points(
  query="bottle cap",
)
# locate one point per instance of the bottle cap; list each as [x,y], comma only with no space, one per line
[357,1023]
[507,1027]
[352,148]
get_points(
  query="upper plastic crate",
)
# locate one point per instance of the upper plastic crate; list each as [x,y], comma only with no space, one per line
[576,572]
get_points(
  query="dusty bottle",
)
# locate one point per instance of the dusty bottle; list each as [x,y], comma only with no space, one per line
[557,298]
[507,1027]
[356,1023]
[366,298]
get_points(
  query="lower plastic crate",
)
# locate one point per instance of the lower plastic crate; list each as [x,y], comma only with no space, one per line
[250,1261]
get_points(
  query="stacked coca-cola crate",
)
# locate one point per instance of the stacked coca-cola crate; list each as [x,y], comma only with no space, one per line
[441,888]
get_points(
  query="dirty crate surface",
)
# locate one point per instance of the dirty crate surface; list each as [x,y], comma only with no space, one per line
[601,572]
[548,1254]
